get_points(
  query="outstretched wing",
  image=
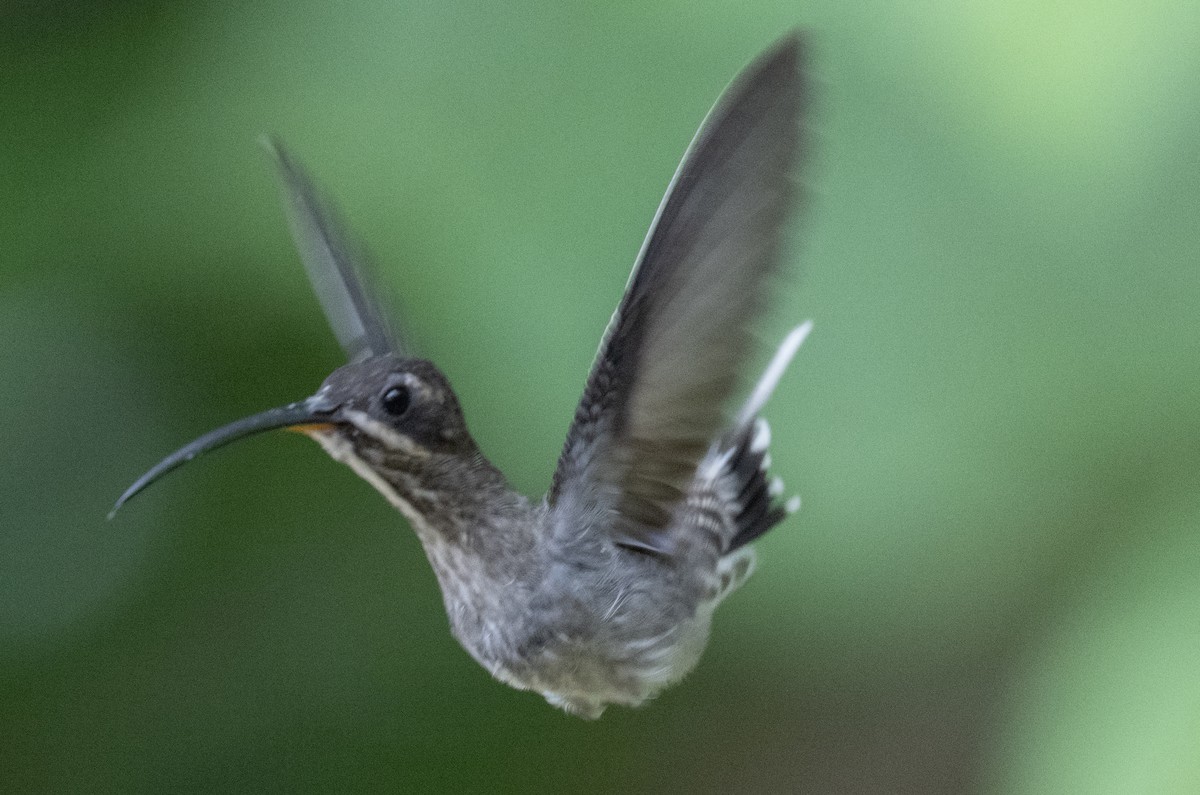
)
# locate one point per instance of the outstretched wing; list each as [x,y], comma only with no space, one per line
[674,351]
[337,274]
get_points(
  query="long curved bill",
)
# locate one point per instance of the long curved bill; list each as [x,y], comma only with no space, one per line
[305,415]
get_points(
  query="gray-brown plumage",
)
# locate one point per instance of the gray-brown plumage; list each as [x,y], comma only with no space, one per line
[603,591]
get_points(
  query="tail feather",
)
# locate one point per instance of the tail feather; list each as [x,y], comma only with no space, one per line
[770,377]
[758,507]
[758,504]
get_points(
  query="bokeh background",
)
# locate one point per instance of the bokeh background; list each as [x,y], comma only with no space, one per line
[994,584]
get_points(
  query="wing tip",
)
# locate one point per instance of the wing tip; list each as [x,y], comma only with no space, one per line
[271,144]
[784,60]
[789,47]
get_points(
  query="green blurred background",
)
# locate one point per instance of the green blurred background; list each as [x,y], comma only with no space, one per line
[994,584]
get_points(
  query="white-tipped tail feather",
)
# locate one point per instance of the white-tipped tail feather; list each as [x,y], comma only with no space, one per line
[775,370]
[754,497]
[762,436]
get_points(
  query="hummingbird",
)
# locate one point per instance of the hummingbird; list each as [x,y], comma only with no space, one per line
[603,591]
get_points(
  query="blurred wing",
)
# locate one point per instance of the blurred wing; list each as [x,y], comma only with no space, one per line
[675,348]
[336,272]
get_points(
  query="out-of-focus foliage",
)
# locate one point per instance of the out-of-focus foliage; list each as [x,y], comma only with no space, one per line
[994,583]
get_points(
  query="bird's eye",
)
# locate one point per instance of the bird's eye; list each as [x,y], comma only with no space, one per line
[396,400]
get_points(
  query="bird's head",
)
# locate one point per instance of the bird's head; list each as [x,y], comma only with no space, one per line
[388,413]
